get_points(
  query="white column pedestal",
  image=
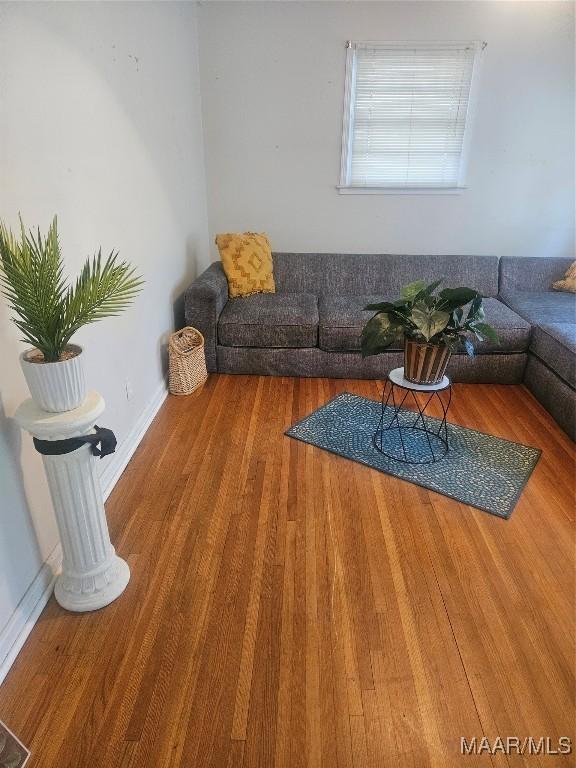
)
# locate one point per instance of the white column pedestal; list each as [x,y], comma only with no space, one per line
[92,573]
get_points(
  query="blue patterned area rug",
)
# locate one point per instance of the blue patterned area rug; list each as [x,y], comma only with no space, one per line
[479,470]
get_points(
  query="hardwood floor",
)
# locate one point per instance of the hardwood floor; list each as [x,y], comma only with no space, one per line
[289,608]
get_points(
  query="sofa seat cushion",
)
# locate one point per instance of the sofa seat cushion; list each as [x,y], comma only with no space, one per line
[343,317]
[542,307]
[513,331]
[341,321]
[555,345]
[270,320]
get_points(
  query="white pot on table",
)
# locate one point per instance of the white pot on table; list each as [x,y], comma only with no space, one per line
[56,387]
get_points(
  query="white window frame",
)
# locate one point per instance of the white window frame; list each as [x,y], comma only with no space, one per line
[345,188]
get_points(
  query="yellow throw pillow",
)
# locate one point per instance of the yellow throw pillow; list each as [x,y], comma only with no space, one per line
[247,262]
[569,281]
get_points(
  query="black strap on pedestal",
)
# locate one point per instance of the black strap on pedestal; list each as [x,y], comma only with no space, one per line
[101,436]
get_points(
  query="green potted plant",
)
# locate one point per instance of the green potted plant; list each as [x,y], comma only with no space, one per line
[49,311]
[433,326]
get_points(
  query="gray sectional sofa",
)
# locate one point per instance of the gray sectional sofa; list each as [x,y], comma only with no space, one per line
[311,325]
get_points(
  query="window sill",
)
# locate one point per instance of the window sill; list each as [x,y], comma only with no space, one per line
[348,190]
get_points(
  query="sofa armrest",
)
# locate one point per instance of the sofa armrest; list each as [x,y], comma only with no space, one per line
[205,299]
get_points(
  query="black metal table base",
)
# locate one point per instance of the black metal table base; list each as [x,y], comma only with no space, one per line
[397,429]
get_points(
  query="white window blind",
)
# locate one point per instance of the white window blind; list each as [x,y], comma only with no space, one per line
[406,109]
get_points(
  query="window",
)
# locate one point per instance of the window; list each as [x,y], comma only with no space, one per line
[406,115]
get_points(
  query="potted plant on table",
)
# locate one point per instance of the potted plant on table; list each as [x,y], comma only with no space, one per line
[433,326]
[49,311]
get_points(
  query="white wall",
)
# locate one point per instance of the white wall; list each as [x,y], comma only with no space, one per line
[272,90]
[99,123]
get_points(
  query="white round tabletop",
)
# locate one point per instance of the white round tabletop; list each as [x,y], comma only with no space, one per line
[60,425]
[396,376]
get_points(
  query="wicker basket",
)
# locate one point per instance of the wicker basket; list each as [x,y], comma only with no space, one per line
[187,364]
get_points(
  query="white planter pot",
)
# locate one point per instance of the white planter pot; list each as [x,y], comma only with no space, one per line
[56,387]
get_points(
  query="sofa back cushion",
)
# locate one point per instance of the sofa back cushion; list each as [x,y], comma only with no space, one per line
[531,273]
[342,274]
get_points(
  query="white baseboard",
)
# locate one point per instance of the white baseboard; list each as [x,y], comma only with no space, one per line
[117,462]
[14,634]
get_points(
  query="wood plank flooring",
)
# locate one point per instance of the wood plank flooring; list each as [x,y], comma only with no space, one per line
[291,609]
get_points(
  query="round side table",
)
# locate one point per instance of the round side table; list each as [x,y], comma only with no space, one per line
[408,436]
